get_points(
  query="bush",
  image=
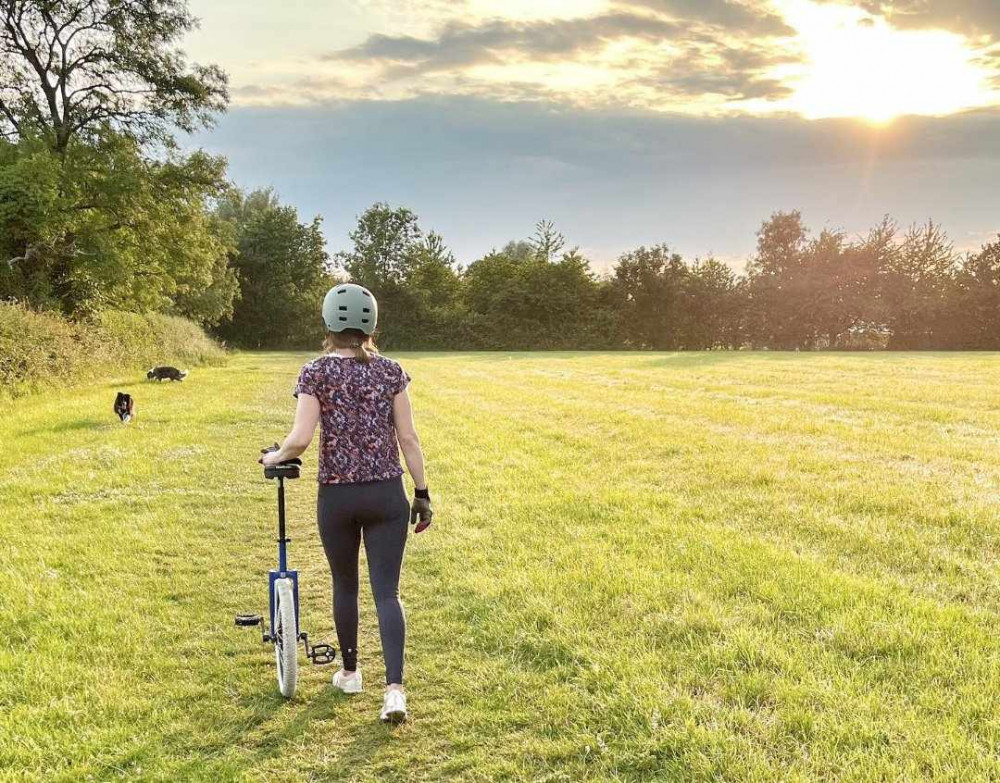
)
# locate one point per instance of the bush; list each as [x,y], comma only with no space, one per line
[46,349]
[141,340]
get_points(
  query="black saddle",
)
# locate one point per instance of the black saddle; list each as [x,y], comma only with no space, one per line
[289,469]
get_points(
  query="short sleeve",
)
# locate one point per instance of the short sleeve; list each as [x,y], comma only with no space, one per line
[307,381]
[400,380]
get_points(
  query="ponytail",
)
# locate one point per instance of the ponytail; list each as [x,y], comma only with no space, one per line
[362,344]
[364,350]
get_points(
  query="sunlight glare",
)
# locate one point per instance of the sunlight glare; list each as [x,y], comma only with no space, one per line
[859,66]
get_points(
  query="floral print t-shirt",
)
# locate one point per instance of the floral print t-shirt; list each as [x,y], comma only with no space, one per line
[357,436]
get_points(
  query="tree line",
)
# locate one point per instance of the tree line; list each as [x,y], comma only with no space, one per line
[888,289]
[100,209]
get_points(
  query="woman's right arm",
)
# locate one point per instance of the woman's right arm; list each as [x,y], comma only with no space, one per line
[406,434]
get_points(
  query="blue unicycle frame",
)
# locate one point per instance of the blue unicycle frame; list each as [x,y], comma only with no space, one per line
[317,653]
[282,572]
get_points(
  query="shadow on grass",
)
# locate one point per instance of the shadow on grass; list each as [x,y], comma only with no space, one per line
[236,754]
[71,425]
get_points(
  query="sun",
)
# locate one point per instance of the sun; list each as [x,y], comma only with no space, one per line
[857,65]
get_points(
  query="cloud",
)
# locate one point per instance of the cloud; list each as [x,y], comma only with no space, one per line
[975,17]
[461,44]
[736,86]
[733,73]
[695,57]
[649,53]
[737,16]
[991,60]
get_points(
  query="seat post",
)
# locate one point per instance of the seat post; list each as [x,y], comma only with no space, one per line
[282,559]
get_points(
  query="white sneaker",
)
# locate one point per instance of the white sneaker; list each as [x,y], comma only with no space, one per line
[394,707]
[348,683]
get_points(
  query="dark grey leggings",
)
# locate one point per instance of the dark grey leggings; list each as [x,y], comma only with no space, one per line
[377,511]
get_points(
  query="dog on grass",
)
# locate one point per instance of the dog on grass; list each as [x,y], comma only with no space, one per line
[166,374]
[124,407]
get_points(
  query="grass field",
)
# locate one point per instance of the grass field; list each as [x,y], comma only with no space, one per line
[740,567]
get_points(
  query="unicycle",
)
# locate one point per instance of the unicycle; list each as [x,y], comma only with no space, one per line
[283,598]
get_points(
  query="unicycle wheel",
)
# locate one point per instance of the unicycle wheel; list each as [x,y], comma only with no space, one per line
[285,636]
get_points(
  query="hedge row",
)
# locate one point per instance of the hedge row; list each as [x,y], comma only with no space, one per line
[45,349]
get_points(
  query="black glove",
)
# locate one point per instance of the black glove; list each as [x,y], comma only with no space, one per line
[421,507]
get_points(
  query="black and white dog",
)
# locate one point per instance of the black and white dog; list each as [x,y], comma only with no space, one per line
[166,374]
[124,407]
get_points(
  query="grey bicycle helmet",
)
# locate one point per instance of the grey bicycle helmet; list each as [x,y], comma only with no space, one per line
[350,306]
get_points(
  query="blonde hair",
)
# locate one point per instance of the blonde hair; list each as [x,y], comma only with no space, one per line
[362,344]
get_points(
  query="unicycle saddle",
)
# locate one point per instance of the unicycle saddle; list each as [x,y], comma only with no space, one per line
[289,469]
[285,470]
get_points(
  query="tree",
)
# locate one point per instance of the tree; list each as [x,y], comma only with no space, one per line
[413,276]
[518,299]
[547,242]
[499,316]
[78,68]
[870,259]
[103,226]
[99,208]
[283,273]
[210,293]
[385,241]
[576,314]
[917,284]
[775,307]
[713,305]
[650,285]
[432,315]
[975,308]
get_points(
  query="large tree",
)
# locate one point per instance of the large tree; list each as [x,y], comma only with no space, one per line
[714,301]
[917,285]
[283,271]
[663,303]
[105,226]
[385,242]
[776,307]
[413,276]
[974,307]
[516,298]
[76,68]
[99,207]
[650,283]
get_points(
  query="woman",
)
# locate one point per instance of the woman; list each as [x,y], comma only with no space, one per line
[361,402]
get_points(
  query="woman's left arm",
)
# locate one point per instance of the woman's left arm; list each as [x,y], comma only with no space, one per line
[298,440]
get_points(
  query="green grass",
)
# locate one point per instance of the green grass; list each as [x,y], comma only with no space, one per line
[741,567]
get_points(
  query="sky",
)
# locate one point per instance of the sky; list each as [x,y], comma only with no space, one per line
[625,122]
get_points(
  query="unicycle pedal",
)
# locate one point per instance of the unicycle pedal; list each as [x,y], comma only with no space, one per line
[248,620]
[322,654]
